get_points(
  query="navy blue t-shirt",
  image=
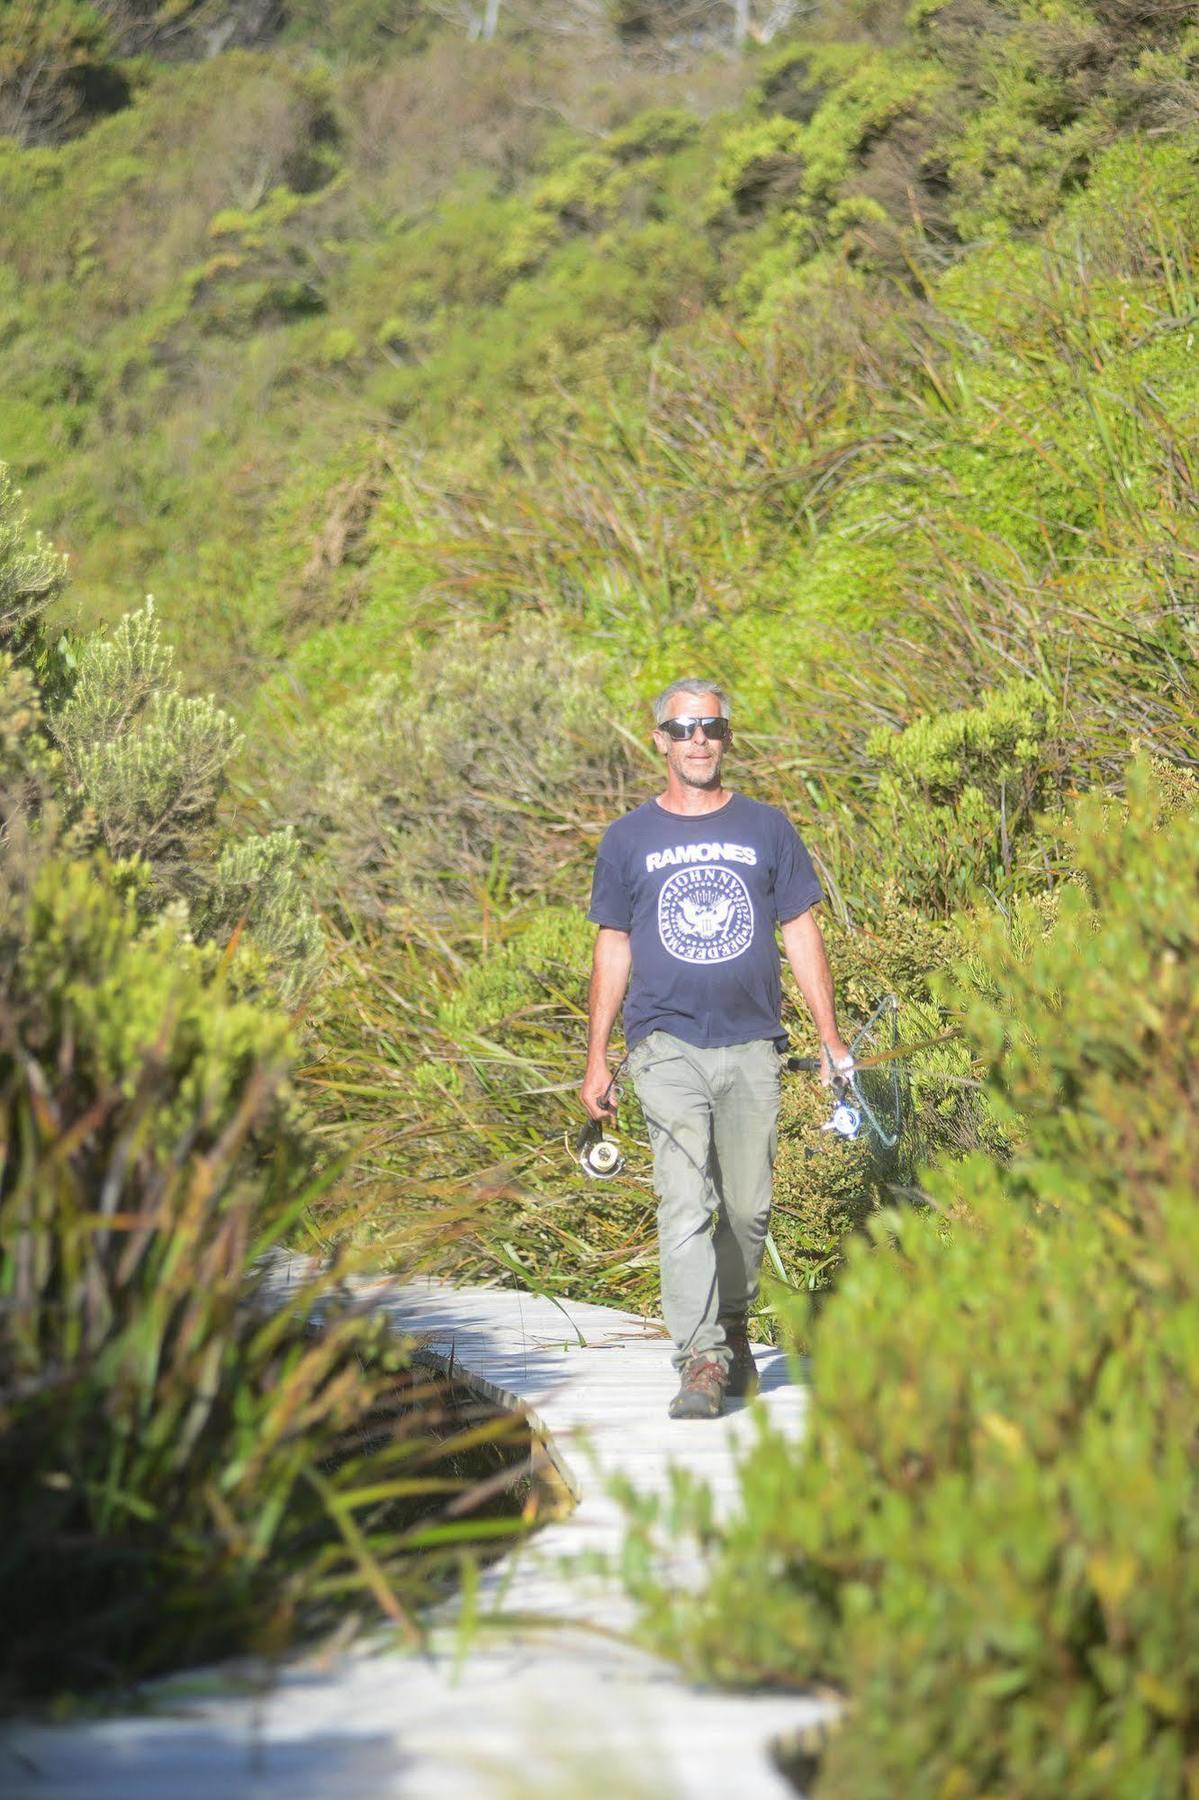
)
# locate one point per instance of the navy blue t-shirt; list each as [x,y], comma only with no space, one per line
[699,898]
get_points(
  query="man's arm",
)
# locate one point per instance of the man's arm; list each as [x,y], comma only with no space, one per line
[610,966]
[804,943]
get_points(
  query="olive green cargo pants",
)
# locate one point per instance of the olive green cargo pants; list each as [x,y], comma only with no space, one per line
[713,1127]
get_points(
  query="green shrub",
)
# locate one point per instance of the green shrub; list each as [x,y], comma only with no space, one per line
[846,158]
[92,973]
[147,766]
[825,1188]
[146,760]
[32,575]
[257,885]
[357,30]
[960,792]
[188,1467]
[987,1534]
[57,69]
[463,778]
[1042,93]
[30,783]
[549,960]
[126,760]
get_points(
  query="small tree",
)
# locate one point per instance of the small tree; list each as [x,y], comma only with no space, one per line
[147,766]
[31,576]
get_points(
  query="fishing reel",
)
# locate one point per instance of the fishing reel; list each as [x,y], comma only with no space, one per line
[865,1089]
[845,1120]
[597,1155]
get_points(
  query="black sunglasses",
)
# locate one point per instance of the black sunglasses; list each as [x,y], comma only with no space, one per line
[682,727]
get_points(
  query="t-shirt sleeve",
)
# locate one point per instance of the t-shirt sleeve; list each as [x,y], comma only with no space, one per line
[796,884]
[610,902]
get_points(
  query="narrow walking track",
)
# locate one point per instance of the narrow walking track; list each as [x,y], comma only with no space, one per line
[560,1708]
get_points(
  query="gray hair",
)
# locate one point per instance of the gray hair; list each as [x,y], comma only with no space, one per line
[691,684]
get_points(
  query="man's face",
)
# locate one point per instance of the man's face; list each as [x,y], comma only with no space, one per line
[695,760]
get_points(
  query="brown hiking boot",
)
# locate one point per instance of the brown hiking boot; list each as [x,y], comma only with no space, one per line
[743,1371]
[701,1394]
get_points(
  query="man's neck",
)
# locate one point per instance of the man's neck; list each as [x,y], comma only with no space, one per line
[692,802]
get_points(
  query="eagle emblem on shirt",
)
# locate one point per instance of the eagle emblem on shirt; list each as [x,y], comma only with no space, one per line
[704,921]
[705,914]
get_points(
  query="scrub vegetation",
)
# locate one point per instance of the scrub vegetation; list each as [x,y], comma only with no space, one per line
[195,1456]
[452,381]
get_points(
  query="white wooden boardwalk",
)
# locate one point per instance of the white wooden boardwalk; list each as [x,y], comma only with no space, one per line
[562,1708]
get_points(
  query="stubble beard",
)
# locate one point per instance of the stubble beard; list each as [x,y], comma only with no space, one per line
[692,778]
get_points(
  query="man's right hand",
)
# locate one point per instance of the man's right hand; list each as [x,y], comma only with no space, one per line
[595,1092]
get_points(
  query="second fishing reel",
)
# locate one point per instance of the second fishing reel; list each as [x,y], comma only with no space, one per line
[598,1156]
[846,1118]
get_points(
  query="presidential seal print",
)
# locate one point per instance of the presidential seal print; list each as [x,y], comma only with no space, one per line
[705,915]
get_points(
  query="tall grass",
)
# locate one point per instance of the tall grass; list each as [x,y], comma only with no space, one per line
[458,1051]
[682,494]
[466,1091]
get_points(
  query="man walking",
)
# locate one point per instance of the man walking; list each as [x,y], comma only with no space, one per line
[688,889]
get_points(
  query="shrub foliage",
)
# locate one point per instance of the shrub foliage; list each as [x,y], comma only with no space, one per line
[986,1535]
[190,1462]
[189,1466]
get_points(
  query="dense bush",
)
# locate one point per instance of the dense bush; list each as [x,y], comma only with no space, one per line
[146,767]
[825,1188]
[960,792]
[146,760]
[100,742]
[473,774]
[58,70]
[188,1468]
[32,576]
[986,1536]
[187,1465]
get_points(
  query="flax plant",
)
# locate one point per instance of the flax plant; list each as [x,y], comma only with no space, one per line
[195,1460]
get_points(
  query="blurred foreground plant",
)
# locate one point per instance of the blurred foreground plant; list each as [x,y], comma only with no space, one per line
[191,1461]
